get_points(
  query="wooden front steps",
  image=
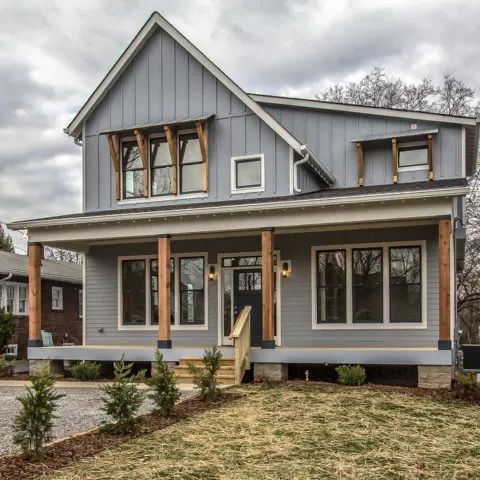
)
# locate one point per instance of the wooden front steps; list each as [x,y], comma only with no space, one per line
[225,376]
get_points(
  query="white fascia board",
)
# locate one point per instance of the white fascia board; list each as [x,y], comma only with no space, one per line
[360,109]
[246,207]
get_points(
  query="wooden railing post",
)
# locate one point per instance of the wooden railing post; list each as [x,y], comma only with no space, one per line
[35,251]
[444,233]
[241,343]
[164,338]
[268,340]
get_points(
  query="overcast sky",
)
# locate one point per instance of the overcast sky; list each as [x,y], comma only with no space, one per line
[53,53]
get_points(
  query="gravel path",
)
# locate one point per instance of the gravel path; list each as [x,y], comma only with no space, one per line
[78,412]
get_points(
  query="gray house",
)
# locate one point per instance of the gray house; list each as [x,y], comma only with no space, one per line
[285,231]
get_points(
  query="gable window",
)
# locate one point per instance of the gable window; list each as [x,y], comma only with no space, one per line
[405,284]
[161,168]
[369,287]
[413,156]
[192,167]
[57,298]
[132,168]
[138,292]
[331,287]
[248,174]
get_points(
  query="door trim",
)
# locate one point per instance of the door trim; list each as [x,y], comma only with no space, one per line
[224,341]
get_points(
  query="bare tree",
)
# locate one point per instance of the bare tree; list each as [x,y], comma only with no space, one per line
[51,253]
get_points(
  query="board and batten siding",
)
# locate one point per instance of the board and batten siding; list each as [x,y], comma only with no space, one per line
[296,308]
[163,83]
[329,135]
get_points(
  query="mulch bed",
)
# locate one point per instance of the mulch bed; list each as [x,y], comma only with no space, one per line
[63,452]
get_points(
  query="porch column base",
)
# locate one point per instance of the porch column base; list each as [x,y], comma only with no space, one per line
[268,344]
[37,367]
[434,376]
[35,343]
[274,372]
[164,344]
[171,367]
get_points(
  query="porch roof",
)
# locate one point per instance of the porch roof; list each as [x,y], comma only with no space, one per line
[447,187]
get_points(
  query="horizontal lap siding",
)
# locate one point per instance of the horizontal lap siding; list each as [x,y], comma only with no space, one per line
[101,265]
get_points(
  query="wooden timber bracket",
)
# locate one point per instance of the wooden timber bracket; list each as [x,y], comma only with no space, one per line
[142,143]
[172,147]
[114,147]
[202,132]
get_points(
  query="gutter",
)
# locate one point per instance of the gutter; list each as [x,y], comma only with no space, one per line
[275,205]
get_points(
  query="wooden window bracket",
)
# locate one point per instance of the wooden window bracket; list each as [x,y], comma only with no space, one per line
[142,143]
[202,132]
[114,147]
[430,156]
[394,160]
[360,164]
[172,146]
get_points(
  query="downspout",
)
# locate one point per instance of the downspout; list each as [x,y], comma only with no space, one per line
[305,159]
[7,278]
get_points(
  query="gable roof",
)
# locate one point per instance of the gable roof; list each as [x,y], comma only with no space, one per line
[17,265]
[155,21]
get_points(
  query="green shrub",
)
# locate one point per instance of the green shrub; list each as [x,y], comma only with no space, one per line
[123,398]
[465,387]
[6,329]
[86,371]
[33,425]
[163,387]
[351,374]
[6,367]
[206,378]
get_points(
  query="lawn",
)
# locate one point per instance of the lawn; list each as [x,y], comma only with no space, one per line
[296,432]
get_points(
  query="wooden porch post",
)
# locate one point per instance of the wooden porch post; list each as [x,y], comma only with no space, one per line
[268,340]
[444,231]
[164,337]
[34,294]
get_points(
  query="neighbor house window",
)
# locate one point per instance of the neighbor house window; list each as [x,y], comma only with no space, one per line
[161,168]
[192,290]
[133,172]
[14,298]
[405,284]
[22,299]
[413,155]
[331,287]
[192,167]
[133,289]
[10,297]
[248,173]
[57,298]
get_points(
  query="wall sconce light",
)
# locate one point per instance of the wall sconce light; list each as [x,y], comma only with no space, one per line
[286,269]
[212,275]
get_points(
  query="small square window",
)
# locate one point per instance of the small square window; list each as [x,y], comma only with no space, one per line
[248,173]
[57,298]
[413,154]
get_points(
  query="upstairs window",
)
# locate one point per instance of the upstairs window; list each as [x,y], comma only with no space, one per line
[413,156]
[192,167]
[248,174]
[132,168]
[162,173]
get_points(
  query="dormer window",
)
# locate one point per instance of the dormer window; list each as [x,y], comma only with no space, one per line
[412,156]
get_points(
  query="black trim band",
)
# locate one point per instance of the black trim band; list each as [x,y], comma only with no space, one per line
[444,344]
[268,344]
[164,344]
[35,343]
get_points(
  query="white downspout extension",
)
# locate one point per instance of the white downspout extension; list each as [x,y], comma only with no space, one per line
[305,159]
[7,278]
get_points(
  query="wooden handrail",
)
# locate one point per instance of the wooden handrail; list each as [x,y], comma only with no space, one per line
[240,322]
[241,342]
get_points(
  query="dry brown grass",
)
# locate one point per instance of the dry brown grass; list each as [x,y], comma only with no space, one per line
[294,432]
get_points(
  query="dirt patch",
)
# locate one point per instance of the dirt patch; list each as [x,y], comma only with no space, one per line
[63,452]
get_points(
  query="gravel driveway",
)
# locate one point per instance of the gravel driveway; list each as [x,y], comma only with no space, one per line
[77,412]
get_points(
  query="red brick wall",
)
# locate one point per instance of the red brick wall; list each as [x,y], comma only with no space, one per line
[64,325]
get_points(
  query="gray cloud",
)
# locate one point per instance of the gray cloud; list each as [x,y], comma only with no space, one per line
[53,54]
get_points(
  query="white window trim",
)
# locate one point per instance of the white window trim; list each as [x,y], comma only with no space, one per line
[349,325]
[148,326]
[233,174]
[219,269]
[158,198]
[16,298]
[411,168]
[60,298]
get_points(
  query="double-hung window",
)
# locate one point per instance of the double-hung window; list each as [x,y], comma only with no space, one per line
[192,167]
[369,286]
[413,156]
[132,166]
[14,298]
[57,298]
[22,299]
[162,170]
[139,291]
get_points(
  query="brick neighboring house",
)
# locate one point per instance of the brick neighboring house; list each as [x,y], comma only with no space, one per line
[61,298]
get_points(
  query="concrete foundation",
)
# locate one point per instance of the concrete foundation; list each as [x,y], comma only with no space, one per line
[53,366]
[434,376]
[274,372]
[171,367]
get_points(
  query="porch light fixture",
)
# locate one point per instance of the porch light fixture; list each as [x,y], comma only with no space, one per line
[286,269]
[212,275]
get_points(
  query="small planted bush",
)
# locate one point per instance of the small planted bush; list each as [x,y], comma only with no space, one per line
[33,425]
[351,374]
[123,398]
[465,387]
[206,377]
[6,329]
[163,387]
[86,371]
[6,367]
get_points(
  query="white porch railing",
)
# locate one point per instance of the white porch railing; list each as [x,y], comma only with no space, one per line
[241,342]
